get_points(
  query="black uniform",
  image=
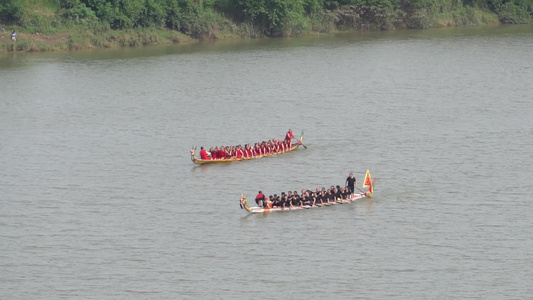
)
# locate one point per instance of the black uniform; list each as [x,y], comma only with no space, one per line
[350,182]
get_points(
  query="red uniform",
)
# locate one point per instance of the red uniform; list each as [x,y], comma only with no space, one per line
[260,198]
[266,150]
[221,153]
[288,138]
[239,153]
[275,147]
[203,154]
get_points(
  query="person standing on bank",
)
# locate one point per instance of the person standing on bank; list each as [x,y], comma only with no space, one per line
[351,183]
[14,36]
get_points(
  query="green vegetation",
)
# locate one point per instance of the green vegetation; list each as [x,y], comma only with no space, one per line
[74,24]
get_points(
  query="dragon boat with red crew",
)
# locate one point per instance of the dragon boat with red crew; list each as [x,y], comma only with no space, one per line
[247,155]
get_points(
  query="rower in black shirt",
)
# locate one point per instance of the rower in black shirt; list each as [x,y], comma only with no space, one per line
[345,193]
[277,201]
[287,200]
[338,193]
[330,197]
[320,198]
[307,199]
[296,199]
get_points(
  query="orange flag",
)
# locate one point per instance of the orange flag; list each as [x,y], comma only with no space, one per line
[368,182]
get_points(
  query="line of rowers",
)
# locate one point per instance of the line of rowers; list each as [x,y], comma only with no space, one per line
[259,149]
[306,198]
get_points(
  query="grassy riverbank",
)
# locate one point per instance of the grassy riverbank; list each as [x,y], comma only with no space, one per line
[77,39]
[65,25]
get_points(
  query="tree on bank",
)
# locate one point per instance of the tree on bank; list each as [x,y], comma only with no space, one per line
[94,20]
[10,11]
[272,17]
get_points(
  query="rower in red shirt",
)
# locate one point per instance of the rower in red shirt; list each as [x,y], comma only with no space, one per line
[239,153]
[222,153]
[260,198]
[249,152]
[204,154]
[266,149]
[214,153]
[257,150]
[245,153]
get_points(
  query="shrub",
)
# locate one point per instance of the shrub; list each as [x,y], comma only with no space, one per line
[10,11]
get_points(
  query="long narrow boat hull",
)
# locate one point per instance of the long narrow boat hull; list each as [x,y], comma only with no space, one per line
[257,210]
[199,161]
[368,182]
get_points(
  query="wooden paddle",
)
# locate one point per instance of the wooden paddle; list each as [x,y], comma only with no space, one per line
[300,140]
[368,195]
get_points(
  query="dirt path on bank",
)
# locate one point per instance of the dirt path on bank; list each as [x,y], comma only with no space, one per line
[47,39]
[36,39]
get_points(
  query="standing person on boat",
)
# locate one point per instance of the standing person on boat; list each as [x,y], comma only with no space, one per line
[204,154]
[260,199]
[351,183]
[288,138]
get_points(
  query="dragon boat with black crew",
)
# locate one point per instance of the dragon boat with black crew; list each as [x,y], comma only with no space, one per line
[306,198]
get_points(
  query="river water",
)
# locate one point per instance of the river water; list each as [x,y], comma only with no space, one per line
[99,199]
